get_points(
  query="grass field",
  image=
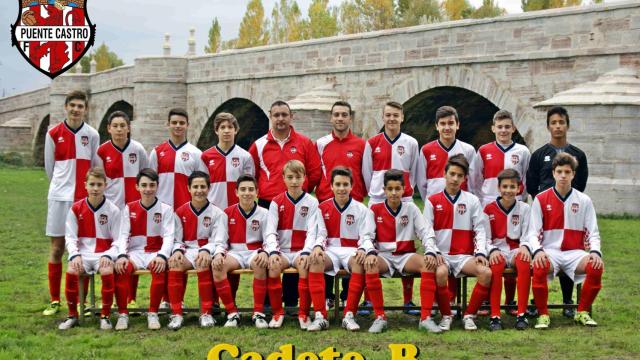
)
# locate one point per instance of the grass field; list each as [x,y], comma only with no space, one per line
[26,334]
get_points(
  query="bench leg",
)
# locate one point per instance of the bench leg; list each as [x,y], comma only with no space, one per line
[81,298]
[92,292]
[336,298]
[463,306]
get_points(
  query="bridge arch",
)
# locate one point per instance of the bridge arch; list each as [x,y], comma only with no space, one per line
[38,141]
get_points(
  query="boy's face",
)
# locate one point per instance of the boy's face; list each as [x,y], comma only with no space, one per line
[393,190]
[75,110]
[118,129]
[563,175]
[147,187]
[95,186]
[340,118]
[247,192]
[178,125]
[199,189]
[503,129]
[558,126]
[341,187]
[447,127]
[293,180]
[392,118]
[508,189]
[226,132]
[281,117]
[454,177]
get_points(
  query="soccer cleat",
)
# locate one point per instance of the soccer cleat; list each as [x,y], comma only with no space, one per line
[260,321]
[153,321]
[468,323]
[521,322]
[495,324]
[569,312]
[429,325]
[233,320]
[349,323]
[583,318]
[304,322]
[69,322]
[105,323]
[52,308]
[379,325]
[206,320]
[512,312]
[543,322]
[445,323]
[175,322]
[276,321]
[364,312]
[123,322]
[319,323]
[414,312]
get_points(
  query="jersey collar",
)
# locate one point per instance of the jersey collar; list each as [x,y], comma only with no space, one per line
[72,130]
[225,153]
[150,207]
[447,149]
[347,137]
[198,213]
[94,209]
[179,146]
[389,139]
[505,149]
[245,215]
[452,199]
[295,201]
[126,145]
[563,199]
[393,213]
[341,209]
[506,211]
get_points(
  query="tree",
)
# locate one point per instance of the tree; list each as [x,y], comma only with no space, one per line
[105,59]
[533,5]
[488,9]
[213,45]
[411,13]
[378,14]
[253,28]
[286,23]
[351,21]
[457,9]
[323,20]
[229,44]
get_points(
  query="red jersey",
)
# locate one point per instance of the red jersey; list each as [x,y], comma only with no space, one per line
[92,230]
[198,229]
[174,164]
[506,226]
[288,223]
[242,231]
[340,152]
[147,229]
[224,168]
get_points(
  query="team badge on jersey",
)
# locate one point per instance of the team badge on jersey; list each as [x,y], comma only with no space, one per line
[515,220]
[103,219]
[404,220]
[400,150]
[293,150]
[255,225]
[489,157]
[133,158]
[432,157]
[84,140]
[377,150]
[379,219]
[157,218]
[462,208]
[439,207]
[326,216]
[349,154]
[184,156]
[515,159]
[206,222]
[52,35]
[281,209]
[304,210]
[350,219]
[235,162]
[575,207]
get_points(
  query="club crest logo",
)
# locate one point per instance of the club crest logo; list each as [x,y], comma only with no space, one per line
[103,219]
[84,140]
[515,159]
[379,219]
[432,157]
[462,208]
[157,218]
[404,220]
[255,225]
[326,216]
[304,210]
[489,157]
[232,221]
[377,150]
[235,162]
[206,222]
[184,156]
[52,35]
[212,162]
[400,150]
[133,158]
[350,219]
[349,154]
[281,208]
[293,150]
[515,220]
[108,159]
[575,208]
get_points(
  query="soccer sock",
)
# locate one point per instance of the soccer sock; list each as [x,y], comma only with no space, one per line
[566,284]
[259,293]
[453,288]
[107,293]
[274,285]
[524,283]
[305,297]
[590,288]
[133,289]
[224,291]
[184,285]
[205,290]
[365,292]
[540,288]
[85,288]
[316,289]
[55,277]
[123,286]
[427,293]
[356,285]
[442,296]
[407,289]
[157,288]
[234,283]
[509,289]
[175,286]
[496,288]
[478,295]
[71,293]
[374,286]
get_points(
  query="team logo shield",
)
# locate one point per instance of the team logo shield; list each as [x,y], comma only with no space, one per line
[84,140]
[515,220]
[515,159]
[103,219]
[404,220]
[255,225]
[462,208]
[293,150]
[184,156]
[350,219]
[235,162]
[133,158]
[52,35]
[349,154]
[304,210]
[157,218]
[400,150]
[206,222]
[575,207]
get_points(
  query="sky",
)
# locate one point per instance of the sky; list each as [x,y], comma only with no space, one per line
[136,28]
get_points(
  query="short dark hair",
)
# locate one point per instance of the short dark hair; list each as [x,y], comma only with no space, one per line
[246,177]
[502,115]
[507,174]
[76,95]
[118,114]
[225,116]
[148,173]
[341,171]
[557,110]
[564,159]
[342,103]
[178,111]
[279,103]
[458,160]
[394,104]
[197,175]
[446,111]
[393,175]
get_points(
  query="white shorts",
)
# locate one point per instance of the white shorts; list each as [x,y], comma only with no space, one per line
[510,257]
[395,263]
[291,257]
[57,212]
[340,258]
[567,262]
[456,263]
[91,262]
[244,257]
[141,259]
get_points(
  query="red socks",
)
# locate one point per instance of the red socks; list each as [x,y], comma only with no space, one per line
[108,287]
[407,289]
[176,291]
[55,277]
[274,286]
[356,286]
[224,291]
[133,289]
[259,294]
[452,283]
[427,293]
[479,294]
[374,286]
[305,297]
[509,289]
[442,296]
[123,286]
[316,289]
[71,293]
[524,283]
[590,288]
[540,288]
[206,291]
[496,288]
[157,289]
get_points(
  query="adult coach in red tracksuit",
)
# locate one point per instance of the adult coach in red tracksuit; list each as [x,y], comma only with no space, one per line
[270,152]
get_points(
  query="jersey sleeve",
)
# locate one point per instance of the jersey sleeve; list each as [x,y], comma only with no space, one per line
[477,175]
[271,230]
[312,165]
[479,228]
[95,144]
[592,234]
[367,166]
[114,232]
[248,166]
[487,230]
[143,158]
[473,172]
[221,243]
[125,232]
[532,177]
[424,232]
[168,234]
[97,160]
[582,173]
[71,234]
[413,173]
[153,160]
[49,156]
[524,223]
[320,231]
[216,232]
[178,244]
[311,230]
[367,231]
[253,151]
[526,159]
[534,228]
[421,177]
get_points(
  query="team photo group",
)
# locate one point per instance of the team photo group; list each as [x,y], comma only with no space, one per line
[289,202]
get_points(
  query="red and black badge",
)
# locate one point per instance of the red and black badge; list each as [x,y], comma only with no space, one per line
[53,35]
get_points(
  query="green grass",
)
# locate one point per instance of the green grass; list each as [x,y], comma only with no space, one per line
[24,333]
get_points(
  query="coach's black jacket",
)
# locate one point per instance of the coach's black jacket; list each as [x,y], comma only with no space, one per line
[539,176]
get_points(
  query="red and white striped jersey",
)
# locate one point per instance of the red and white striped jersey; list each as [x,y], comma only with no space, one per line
[505,226]
[224,169]
[242,231]
[432,161]
[340,152]
[396,230]
[121,167]
[491,159]
[458,223]
[92,230]
[198,229]
[174,164]
[68,155]
[564,224]
[351,226]
[147,229]
[382,154]
[288,223]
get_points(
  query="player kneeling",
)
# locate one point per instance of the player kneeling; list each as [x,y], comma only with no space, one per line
[289,241]
[397,223]
[197,225]
[145,242]
[508,219]
[345,231]
[563,221]
[239,246]
[92,225]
